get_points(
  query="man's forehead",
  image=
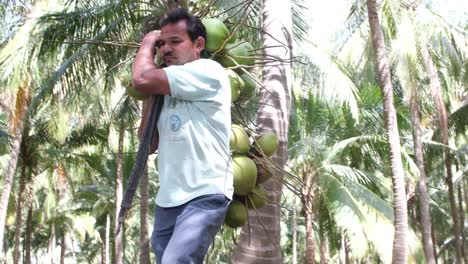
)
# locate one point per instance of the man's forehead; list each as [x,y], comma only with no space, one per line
[174,29]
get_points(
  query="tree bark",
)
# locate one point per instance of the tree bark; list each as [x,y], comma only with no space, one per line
[443,127]
[19,213]
[51,246]
[107,242]
[294,235]
[118,197]
[434,249]
[27,240]
[261,244]
[422,189]
[21,107]
[63,247]
[324,252]
[400,242]
[29,228]
[310,242]
[307,205]
[462,216]
[144,208]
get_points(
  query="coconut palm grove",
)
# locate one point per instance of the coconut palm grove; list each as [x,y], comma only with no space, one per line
[348,138]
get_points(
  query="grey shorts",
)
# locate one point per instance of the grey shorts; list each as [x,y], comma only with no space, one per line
[184,233]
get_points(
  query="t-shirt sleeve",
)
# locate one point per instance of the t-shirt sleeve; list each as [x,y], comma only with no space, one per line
[196,81]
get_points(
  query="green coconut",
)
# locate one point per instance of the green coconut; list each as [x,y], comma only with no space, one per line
[238,53]
[268,143]
[249,86]
[257,198]
[244,174]
[263,174]
[239,140]
[237,84]
[132,92]
[216,33]
[236,215]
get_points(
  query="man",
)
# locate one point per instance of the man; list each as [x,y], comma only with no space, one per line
[194,162]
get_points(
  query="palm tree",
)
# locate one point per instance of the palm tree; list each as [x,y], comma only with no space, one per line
[118,196]
[263,231]
[408,75]
[22,101]
[443,127]
[400,242]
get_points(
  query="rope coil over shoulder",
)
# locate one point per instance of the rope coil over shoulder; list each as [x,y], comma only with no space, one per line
[141,159]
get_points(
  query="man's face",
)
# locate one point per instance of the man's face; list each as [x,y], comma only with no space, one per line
[176,47]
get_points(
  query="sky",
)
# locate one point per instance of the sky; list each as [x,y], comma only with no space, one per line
[333,14]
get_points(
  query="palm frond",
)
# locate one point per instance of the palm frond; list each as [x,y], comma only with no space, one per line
[353,141]
[334,87]
[458,120]
[360,213]
[300,25]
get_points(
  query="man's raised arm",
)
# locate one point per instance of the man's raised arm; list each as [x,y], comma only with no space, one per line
[146,76]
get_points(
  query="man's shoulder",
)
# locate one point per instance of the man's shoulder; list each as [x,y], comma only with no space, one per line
[206,63]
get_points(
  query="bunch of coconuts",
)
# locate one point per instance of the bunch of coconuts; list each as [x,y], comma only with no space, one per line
[251,166]
[251,169]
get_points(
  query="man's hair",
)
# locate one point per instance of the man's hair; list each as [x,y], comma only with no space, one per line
[195,27]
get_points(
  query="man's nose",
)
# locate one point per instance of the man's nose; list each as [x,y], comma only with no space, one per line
[165,48]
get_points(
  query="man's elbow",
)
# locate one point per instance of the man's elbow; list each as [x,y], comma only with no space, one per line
[139,83]
[151,85]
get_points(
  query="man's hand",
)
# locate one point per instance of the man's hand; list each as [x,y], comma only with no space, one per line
[151,38]
[147,78]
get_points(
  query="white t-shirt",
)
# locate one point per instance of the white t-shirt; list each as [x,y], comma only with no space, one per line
[194,126]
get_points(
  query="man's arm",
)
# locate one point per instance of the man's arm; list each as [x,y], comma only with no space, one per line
[146,76]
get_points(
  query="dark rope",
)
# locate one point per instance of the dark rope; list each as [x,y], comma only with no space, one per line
[141,159]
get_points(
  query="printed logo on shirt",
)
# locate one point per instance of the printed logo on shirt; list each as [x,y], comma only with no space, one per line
[175,123]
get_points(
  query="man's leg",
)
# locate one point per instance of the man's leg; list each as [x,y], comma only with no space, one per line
[195,229]
[164,222]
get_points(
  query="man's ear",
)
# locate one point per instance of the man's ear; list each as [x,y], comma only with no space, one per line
[199,44]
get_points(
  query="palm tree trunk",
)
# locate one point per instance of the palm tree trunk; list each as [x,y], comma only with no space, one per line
[107,242]
[307,205]
[29,228]
[103,253]
[63,247]
[400,242]
[310,242]
[422,189]
[27,240]
[434,249]
[465,189]
[118,197]
[324,252]
[261,244]
[22,103]
[51,247]
[294,234]
[144,208]
[19,213]
[462,216]
[443,127]
[346,250]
